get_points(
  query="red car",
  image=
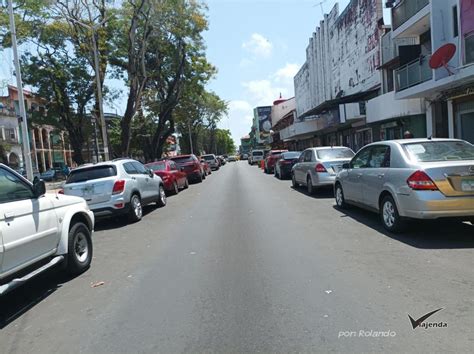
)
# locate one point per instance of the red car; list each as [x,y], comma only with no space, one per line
[206,167]
[191,166]
[173,178]
[272,157]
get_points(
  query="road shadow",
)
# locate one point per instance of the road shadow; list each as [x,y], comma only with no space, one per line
[423,234]
[117,222]
[24,298]
[326,192]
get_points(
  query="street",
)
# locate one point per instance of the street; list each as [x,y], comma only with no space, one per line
[244,263]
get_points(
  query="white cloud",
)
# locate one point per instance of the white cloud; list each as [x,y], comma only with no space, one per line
[286,73]
[259,46]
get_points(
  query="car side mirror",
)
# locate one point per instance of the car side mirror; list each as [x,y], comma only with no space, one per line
[151,173]
[39,188]
[346,166]
[203,161]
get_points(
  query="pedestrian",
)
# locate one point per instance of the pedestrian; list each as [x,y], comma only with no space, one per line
[408,135]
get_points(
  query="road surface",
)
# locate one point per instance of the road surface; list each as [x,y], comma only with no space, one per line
[243,263]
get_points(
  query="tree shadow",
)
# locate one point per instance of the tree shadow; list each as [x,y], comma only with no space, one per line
[423,234]
[118,222]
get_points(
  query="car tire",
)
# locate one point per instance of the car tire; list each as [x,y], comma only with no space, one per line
[204,176]
[309,186]
[186,183]
[136,208]
[79,255]
[175,188]
[391,220]
[161,202]
[339,196]
[199,179]
[293,181]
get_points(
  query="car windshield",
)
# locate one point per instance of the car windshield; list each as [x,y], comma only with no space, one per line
[91,173]
[290,155]
[431,151]
[185,159]
[208,157]
[257,153]
[159,166]
[334,153]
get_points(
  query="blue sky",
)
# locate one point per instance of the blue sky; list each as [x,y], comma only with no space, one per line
[257,47]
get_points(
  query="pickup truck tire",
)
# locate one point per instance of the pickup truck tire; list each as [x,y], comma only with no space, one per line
[161,202]
[136,209]
[79,254]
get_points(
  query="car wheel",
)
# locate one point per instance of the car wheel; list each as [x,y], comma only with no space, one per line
[136,210]
[175,188]
[161,202]
[293,181]
[79,255]
[339,196]
[204,176]
[391,220]
[309,186]
[199,180]
[186,183]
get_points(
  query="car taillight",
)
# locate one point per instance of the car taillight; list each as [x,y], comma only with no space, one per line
[119,187]
[61,191]
[419,180]
[285,162]
[320,168]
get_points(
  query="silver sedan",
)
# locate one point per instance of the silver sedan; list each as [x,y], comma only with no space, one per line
[317,166]
[411,178]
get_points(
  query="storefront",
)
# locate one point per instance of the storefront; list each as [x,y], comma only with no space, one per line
[464,118]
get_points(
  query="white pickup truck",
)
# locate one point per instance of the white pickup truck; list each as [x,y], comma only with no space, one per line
[39,230]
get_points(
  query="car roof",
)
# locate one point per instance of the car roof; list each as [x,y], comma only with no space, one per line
[105,163]
[180,156]
[329,147]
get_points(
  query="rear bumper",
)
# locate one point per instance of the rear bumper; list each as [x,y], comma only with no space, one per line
[323,179]
[111,211]
[434,205]
[195,175]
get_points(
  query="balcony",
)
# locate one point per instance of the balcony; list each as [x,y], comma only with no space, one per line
[405,10]
[413,73]
[390,46]
[387,106]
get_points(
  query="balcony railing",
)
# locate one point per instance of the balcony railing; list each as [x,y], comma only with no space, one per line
[405,10]
[414,73]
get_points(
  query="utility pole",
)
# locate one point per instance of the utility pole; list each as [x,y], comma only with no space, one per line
[190,137]
[24,124]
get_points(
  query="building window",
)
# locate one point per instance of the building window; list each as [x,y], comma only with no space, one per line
[469,47]
[455,22]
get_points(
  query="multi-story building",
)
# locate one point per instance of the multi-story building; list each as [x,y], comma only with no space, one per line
[340,74]
[436,62]
[283,115]
[49,147]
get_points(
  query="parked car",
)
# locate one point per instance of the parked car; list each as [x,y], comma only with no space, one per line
[272,157]
[256,156]
[191,166]
[39,231]
[222,160]
[212,160]
[206,167]
[318,166]
[285,163]
[118,187]
[173,178]
[244,157]
[231,158]
[411,178]
[52,175]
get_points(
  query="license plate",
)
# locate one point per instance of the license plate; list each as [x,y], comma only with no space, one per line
[467,185]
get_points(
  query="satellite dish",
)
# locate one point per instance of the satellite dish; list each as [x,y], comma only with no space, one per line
[442,56]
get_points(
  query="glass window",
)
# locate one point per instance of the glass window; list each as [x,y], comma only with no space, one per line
[308,155]
[183,159]
[335,153]
[87,174]
[140,168]
[290,155]
[440,151]
[173,166]
[380,156]
[159,166]
[130,168]
[12,188]
[361,159]
[455,22]
[469,48]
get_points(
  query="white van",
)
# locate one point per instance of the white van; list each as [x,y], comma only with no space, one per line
[256,156]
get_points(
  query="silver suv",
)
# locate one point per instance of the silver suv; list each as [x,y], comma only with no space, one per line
[116,187]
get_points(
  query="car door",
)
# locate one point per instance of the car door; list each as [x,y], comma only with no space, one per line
[352,183]
[298,167]
[307,164]
[29,228]
[373,178]
[150,183]
[137,178]
[179,176]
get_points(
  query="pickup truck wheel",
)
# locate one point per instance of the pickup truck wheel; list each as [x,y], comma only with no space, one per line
[161,202]
[79,255]
[136,210]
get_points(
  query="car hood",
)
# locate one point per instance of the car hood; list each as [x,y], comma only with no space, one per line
[61,200]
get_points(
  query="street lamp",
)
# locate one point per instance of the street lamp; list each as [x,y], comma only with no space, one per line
[24,124]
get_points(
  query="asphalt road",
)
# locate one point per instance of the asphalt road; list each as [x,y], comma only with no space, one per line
[243,263]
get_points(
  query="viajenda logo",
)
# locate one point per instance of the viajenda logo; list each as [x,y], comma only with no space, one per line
[421,321]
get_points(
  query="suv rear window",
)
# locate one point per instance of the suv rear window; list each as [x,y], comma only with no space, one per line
[340,153]
[208,157]
[90,173]
[183,159]
[430,151]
